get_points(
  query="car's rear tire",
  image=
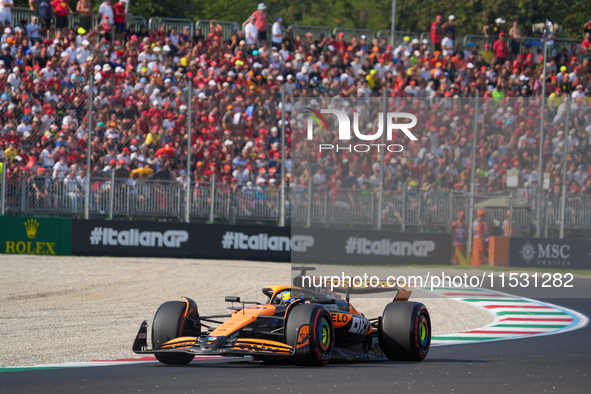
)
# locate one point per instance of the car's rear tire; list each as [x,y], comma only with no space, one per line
[168,324]
[405,331]
[317,348]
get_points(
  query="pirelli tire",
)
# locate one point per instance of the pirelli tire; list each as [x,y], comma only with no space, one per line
[167,325]
[405,331]
[316,348]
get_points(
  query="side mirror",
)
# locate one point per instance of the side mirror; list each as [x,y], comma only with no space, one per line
[232,299]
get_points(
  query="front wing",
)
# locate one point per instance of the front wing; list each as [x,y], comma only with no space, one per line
[202,346]
[246,347]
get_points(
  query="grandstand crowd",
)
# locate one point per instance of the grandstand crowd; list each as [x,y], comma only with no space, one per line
[140,116]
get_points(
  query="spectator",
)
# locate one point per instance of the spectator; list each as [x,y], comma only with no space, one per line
[6,11]
[436,33]
[515,36]
[120,18]
[500,49]
[277,38]
[251,32]
[448,44]
[84,9]
[44,13]
[33,29]
[493,33]
[586,46]
[60,169]
[260,21]
[450,27]
[106,10]
[62,9]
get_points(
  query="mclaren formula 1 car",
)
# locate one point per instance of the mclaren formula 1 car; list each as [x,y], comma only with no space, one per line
[308,326]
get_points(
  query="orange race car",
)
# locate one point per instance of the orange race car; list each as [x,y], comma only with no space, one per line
[309,326]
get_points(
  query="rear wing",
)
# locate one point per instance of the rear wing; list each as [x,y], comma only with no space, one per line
[402,294]
[348,288]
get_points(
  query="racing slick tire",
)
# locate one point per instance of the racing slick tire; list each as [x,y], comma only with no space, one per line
[315,348]
[405,331]
[168,325]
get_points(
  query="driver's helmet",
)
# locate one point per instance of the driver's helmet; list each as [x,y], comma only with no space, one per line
[287,297]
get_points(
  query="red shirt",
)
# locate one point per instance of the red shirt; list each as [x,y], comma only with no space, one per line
[61,7]
[435,33]
[119,12]
[500,49]
[260,20]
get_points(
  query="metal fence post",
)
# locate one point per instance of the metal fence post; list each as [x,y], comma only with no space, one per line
[189,125]
[3,192]
[564,162]
[88,149]
[403,226]
[212,196]
[511,212]
[541,158]
[112,194]
[282,191]
[451,207]
[23,195]
[309,207]
[473,173]
[381,185]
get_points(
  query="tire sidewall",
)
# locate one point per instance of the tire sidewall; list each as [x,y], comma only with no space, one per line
[400,331]
[313,315]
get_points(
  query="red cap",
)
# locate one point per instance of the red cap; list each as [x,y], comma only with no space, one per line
[122,161]
[112,162]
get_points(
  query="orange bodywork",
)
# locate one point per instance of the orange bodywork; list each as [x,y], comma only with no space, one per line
[242,318]
[260,345]
[304,336]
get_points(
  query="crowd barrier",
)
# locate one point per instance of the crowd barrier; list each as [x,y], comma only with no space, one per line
[429,211]
[169,23]
[350,32]
[229,27]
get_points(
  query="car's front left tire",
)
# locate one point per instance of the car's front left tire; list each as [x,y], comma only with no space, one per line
[167,325]
[315,347]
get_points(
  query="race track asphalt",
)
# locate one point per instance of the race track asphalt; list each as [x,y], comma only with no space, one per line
[557,363]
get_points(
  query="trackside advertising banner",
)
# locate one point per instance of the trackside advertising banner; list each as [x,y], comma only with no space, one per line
[373,247]
[163,239]
[550,253]
[32,235]
[119,238]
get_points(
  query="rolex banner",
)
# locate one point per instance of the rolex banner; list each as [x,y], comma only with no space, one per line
[31,235]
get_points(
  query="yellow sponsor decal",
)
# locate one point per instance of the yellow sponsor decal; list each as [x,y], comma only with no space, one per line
[31,225]
[29,247]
